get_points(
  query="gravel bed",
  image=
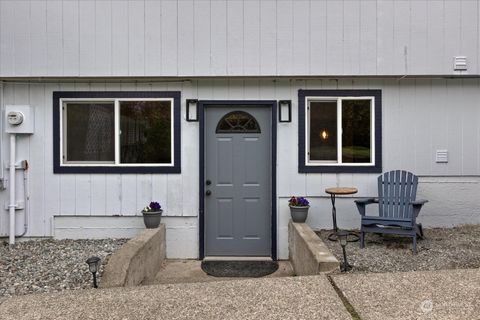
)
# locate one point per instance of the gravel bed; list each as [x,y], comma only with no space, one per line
[50,265]
[442,248]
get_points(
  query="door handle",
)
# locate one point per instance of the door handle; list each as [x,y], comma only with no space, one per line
[208,192]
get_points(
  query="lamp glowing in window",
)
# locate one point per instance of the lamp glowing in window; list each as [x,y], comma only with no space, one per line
[324,135]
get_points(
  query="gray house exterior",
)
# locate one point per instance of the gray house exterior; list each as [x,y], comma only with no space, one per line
[374,85]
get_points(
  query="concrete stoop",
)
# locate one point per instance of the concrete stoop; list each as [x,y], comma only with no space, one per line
[137,261]
[308,254]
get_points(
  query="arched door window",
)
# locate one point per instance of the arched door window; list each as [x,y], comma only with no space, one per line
[238,122]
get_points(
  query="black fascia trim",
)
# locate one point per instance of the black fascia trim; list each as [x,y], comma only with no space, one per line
[175,95]
[302,94]
[201,216]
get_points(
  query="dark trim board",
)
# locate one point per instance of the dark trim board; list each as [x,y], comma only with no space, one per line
[202,104]
[303,168]
[175,95]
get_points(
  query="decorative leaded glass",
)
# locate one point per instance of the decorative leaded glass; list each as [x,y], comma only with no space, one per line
[238,122]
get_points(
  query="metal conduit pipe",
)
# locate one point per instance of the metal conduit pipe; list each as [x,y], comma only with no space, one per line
[12,205]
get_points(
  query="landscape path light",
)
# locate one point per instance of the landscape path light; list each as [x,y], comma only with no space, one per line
[93,266]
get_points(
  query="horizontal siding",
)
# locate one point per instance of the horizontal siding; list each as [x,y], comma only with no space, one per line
[236,37]
[419,117]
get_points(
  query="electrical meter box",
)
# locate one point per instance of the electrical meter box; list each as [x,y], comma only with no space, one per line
[19,119]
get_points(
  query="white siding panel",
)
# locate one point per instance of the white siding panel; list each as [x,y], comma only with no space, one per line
[201,35]
[470,34]
[453,32]
[71,38]
[470,124]
[136,37]
[37,177]
[268,39]
[54,38]
[318,37]
[417,58]
[454,127]
[386,41]
[153,38]
[169,38]
[335,36]
[435,37]
[421,124]
[87,35]
[251,31]
[218,40]
[439,127]
[368,37]
[352,44]
[235,38]
[301,35]
[186,50]
[7,45]
[284,37]
[22,38]
[120,38]
[103,36]
[38,36]
[401,40]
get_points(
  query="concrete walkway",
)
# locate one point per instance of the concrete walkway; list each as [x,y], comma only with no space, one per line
[446,294]
[266,298]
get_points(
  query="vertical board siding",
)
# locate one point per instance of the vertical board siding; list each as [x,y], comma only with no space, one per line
[237,37]
[440,113]
[71,39]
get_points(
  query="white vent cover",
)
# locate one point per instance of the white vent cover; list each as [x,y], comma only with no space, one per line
[460,63]
[441,156]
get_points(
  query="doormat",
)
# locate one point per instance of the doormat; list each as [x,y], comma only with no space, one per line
[245,269]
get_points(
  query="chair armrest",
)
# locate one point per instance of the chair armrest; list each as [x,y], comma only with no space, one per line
[420,202]
[361,203]
[366,201]
[417,206]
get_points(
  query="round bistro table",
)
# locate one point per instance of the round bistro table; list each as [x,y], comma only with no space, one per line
[338,191]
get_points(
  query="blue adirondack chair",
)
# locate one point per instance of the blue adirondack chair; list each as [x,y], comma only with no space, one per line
[397,207]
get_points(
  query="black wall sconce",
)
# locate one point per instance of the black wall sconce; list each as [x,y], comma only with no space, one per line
[192,110]
[285,111]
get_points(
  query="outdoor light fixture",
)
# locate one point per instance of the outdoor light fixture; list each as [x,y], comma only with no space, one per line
[285,111]
[93,264]
[192,110]
[342,237]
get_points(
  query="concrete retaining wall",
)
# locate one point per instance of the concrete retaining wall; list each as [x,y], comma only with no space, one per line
[308,254]
[137,261]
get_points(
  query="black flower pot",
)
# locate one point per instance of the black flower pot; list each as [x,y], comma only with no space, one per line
[152,219]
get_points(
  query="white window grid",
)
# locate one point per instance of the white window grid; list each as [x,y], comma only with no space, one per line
[339,161]
[117,133]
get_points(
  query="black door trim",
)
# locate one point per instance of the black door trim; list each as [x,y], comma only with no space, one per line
[202,104]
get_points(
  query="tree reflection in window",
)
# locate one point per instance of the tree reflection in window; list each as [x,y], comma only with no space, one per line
[238,122]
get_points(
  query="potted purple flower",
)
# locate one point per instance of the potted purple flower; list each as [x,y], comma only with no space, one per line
[152,215]
[299,208]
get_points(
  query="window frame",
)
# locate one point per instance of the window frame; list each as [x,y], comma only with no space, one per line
[323,166]
[116,97]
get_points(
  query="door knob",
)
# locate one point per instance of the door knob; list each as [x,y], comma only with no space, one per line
[208,192]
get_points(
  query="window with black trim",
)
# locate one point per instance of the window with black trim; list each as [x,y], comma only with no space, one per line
[340,131]
[118,132]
